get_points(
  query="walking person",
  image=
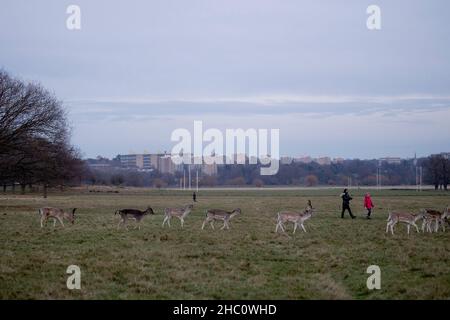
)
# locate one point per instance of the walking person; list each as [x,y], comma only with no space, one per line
[368,204]
[346,204]
[194,197]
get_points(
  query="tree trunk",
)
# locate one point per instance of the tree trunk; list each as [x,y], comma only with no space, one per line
[4,188]
[13,188]
[45,191]
[22,188]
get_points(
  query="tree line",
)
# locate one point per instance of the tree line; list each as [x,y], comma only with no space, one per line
[349,172]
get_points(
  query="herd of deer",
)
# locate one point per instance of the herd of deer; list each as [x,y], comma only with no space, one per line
[432,220]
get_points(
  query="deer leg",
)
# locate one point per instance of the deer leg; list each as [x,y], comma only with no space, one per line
[392,227]
[295,227]
[303,227]
[182,222]
[436,226]
[417,228]
[407,227]
[168,221]
[54,223]
[203,225]
[224,224]
[42,221]
[61,221]
[212,224]
[387,226]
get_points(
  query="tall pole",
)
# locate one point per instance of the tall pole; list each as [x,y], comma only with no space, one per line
[184,179]
[189,170]
[421,171]
[417,179]
[197,180]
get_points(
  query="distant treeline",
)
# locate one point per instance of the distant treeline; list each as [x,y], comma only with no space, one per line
[436,171]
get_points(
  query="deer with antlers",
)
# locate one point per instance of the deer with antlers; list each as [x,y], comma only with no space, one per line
[296,217]
[409,219]
[57,215]
[135,214]
[180,213]
[220,215]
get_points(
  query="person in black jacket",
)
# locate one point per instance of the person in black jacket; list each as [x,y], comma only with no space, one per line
[346,204]
[194,197]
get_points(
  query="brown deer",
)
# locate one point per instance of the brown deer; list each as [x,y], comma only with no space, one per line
[135,214]
[222,215]
[409,219]
[56,214]
[438,217]
[296,217]
[180,213]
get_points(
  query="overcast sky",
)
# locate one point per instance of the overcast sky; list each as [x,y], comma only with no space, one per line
[137,70]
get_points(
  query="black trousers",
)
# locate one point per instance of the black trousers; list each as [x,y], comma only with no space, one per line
[369,211]
[346,207]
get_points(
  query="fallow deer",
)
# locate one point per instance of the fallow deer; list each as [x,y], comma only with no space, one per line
[221,215]
[56,214]
[438,217]
[180,213]
[296,217]
[403,217]
[135,214]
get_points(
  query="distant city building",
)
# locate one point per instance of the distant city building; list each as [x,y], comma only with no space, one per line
[139,161]
[338,160]
[166,165]
[390,160]
[209,169]
[286,160]
[323,160]
[305,159]
[446,155]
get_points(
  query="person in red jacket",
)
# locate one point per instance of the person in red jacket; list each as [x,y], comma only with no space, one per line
[368,204]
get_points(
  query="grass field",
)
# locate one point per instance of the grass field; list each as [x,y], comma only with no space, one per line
[249,261]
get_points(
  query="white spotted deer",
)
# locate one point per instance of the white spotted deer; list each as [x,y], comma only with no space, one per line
[409,219]
[296,217]
[180,213]
[57,215]
[220,215]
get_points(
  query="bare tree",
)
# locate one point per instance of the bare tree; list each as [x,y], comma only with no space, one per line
[34,136]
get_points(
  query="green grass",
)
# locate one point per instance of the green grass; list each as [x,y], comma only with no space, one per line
[249,261]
